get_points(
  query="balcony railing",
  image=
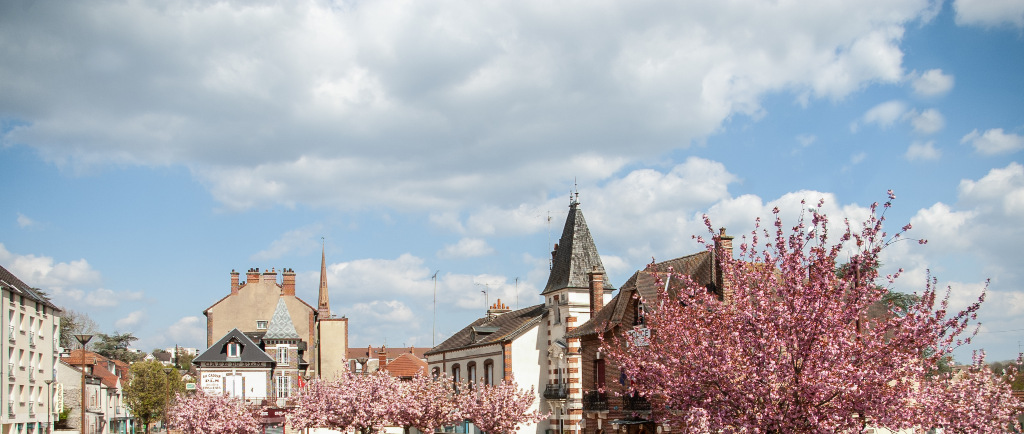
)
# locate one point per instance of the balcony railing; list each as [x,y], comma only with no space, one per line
[595,401]
[635,403]
[556,391]
[31,340]
[10,408]
[10,369]
[10,332]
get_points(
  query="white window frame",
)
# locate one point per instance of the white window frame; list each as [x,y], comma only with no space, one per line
[283,386]
[234,349]
[282,355]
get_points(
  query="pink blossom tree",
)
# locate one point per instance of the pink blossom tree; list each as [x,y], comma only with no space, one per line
[200,413]
[365,403]
[498,409]
[427,403]
[788,345]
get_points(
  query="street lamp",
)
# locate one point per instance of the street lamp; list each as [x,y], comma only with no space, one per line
[83,339]
[167,403]
[49,400]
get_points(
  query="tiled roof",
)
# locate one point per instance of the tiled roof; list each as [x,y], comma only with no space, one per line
[406,365]
[281,326]
[576,254]
[98,364]
[218,351]
[14,284]
[699,266]
[392,353]
[509,326]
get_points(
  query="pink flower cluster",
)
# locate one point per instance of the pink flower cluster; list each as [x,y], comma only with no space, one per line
[200,413]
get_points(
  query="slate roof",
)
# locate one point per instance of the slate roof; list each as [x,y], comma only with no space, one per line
[11,282]
[509,326]
[218,352]
[699,266]
[281,326]
[576,254]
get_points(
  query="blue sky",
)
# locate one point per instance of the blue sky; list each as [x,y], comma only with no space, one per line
[149,148]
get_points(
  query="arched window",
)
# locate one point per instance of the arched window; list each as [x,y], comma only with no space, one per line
[489,372]
[471,373]
[456,373]
[436,372]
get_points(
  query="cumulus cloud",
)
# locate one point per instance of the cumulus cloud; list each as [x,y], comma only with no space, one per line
[189,331]
[132,321]
[466,248]
[44,272]
[932,82]
[886,114]
[990,13]
[371,97]
[927,122]
[994,142]
[922,151]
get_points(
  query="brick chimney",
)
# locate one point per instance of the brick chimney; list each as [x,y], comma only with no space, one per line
[723,250]
[596,291]
[382,358]
[270,276]
[252,276]
[234,282]
[288,285]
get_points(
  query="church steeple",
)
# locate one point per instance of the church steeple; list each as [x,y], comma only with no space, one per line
[324,306]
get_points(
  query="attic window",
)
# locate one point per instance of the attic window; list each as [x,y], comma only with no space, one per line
[261,325]
[234,349]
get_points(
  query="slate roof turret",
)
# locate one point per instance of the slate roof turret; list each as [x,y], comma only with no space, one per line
[575,255]
[281,326]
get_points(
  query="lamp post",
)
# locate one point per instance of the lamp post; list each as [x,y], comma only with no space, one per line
[167,402]
[83,339]
[49,401]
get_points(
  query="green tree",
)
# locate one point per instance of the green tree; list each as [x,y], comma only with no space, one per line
[149,390]
[115,347]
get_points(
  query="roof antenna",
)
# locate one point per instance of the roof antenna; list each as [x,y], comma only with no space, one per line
[576,192]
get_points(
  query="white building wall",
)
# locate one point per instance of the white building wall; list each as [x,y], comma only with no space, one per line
[28,355]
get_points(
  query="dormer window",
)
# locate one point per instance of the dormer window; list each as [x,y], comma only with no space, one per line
[261,325]
[234,350]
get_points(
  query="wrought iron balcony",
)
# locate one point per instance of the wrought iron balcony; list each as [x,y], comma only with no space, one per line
[635,403]
[595,401]
[556,391]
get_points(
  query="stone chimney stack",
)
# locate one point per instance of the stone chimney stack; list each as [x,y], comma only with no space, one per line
[596,291]
[234,282]
[497,308]
[252,276]
[288,284]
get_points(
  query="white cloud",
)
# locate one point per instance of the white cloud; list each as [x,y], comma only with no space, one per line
[990,13]
[806,140]
[302,240]
[923,151]
[25,222]
[466,248]
[132,321]
[189,331]
[368,99]
[927,122]
[932,82]
[994,142]
[885,114]
[45,273]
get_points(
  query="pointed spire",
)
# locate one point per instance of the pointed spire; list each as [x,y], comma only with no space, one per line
[324,308]
[281,326]
[575,254]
